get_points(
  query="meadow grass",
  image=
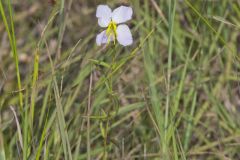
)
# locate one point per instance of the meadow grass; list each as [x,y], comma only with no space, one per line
[172,95]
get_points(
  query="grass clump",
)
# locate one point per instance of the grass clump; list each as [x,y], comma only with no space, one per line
[173,94]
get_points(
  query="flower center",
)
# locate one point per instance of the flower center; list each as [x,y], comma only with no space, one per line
[112,31]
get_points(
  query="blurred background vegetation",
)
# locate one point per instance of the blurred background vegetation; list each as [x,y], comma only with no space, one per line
[173,94]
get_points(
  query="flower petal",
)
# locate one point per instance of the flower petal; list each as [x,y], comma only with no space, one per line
[103,11]
[102,38]
[124,35]
[122,14]
[103,14]
[104,22]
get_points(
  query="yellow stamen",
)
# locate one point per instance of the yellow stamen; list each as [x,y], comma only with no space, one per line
[112,31]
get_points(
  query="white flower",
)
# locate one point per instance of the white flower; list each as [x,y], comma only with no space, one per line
[109,19]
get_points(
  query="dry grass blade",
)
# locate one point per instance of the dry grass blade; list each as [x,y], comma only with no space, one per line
[18,127]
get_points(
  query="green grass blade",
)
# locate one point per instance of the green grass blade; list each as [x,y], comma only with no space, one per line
[60,116]
[34,86]
[12,39]
[190,122]
[172,10]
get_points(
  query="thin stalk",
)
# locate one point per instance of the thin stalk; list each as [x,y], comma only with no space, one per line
[62,28]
